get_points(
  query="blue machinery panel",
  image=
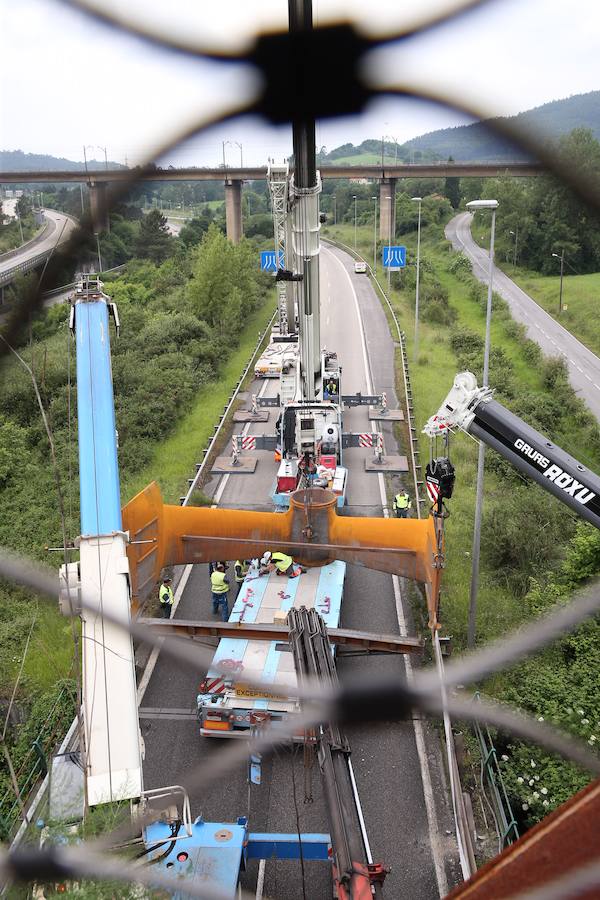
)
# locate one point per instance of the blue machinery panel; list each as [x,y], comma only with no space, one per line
[98,467]
[216,852]
[287,846]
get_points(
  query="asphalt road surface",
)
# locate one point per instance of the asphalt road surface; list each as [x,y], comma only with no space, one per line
[583,365]
[60,231]
[394,771]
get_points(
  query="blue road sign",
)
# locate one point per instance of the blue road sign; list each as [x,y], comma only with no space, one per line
[268,260]
[394,258]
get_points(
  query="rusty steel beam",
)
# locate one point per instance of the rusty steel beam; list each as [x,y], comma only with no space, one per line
[563,842]
[381,643]
[311,525]
[431,170]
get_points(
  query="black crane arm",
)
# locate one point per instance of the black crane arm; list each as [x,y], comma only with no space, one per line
[473,410]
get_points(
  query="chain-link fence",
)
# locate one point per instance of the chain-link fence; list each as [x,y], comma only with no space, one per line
[285,66]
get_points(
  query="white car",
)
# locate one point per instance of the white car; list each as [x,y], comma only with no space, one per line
[360,267]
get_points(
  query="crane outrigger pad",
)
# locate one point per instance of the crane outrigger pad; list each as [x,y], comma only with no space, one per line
[376,414]
[392,464]
[224,465]
[246,415]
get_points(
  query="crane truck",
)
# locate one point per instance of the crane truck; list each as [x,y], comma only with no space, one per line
[473,410]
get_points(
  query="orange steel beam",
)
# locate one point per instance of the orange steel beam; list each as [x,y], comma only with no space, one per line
[163,535]
[565,840]
[382,643]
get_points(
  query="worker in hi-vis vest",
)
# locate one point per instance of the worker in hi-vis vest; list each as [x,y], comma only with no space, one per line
[219,585]
[165,595]
[280,563]
[402,505]
[241,570]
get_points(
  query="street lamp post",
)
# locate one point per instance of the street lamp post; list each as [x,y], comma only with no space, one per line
[473,206]
[418,200]
[562,266]
[333,197]
[515,234]
[18,215]
[375,236]
[392,212]
[354,198]
[233,144]
[106,168]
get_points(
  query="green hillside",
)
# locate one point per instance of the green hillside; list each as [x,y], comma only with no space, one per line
[476,142]
[17,161]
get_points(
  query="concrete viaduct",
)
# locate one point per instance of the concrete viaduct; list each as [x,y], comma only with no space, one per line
[234,178]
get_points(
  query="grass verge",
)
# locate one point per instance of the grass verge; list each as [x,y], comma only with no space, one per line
[175,458]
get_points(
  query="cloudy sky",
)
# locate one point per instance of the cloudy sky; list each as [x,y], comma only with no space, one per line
[66,81]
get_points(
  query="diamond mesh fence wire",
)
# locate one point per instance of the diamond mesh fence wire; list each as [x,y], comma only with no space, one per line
[282,63]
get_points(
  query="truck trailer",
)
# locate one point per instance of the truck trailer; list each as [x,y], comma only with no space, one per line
[227,705]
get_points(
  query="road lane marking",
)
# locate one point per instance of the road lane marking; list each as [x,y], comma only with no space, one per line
[428,793]
[187,571]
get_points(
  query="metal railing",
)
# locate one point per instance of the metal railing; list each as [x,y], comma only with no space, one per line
[207,451]
[496,793]
[408,398]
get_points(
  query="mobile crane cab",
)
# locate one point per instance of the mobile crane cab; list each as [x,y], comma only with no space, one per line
[310,436]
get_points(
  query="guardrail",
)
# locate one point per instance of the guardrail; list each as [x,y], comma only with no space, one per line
[46,231]
[496,794]
[414,449]
[33,766]
[193,482]
[461,818]
[7,276]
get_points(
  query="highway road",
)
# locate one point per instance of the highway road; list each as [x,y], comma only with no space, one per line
[60,229]
[583,365]
[398,765]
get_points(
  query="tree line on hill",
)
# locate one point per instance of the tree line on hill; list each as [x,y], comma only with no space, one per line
[543,214]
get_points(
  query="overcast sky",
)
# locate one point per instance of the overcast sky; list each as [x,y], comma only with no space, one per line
[66,81]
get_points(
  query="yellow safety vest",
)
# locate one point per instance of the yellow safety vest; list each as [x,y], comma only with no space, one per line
[217,583]
[402,501]
[165,595]
[243,565]
[281,561]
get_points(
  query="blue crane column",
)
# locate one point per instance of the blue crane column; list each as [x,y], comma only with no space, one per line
[113,761]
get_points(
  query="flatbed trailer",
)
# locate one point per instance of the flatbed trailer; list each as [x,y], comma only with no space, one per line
[273,357]
[227,705]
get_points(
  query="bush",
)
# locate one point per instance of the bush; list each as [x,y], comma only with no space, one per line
[460,267]
[510,520]
[465,342]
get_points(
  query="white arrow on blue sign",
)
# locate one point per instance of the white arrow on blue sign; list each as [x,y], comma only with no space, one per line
[268,260]
[394,258]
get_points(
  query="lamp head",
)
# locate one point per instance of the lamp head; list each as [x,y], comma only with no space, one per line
[416,199]
[482,204]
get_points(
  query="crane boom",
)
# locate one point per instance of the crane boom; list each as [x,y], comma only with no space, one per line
[473,410]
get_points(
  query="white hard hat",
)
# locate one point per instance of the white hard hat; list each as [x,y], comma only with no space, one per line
[265,558]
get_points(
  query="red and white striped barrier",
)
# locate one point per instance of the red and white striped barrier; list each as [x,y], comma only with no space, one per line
[433,491]
[213,686]
[248,442]
[369,439]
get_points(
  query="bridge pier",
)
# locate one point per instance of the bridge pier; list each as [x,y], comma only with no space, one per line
[99,205]
[233,210]
[387,206]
